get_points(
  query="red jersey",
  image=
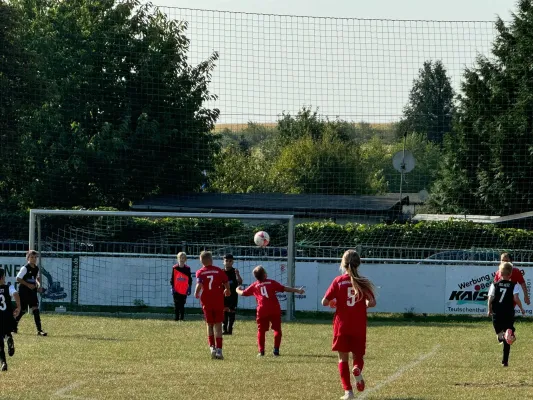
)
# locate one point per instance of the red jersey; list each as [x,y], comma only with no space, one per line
[350,314]
[516,277]
[212,278]
[265,295]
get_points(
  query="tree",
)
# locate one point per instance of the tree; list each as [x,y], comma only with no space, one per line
[124,115]
[489,164]
[430,108]
[19,92]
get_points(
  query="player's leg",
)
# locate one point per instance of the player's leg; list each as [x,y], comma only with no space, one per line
[231,317]
[344,372]
[37,319]
[276,327]
[262,328]
[23,309]
[10,345]
[358,364]
[218,334]
[3,361]
[175,296]
[181,306]
[225,323]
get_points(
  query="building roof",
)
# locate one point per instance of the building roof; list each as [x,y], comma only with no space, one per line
[297,204]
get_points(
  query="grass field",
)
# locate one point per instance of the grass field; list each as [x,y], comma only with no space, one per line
[96,357]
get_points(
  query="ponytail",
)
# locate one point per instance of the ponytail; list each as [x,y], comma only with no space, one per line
[362,286]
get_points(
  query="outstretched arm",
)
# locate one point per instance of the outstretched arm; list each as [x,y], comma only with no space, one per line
[294,290]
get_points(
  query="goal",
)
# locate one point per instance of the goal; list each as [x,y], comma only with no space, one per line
[122,261]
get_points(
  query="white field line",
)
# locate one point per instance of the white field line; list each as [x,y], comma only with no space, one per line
[399,373]
[63,393]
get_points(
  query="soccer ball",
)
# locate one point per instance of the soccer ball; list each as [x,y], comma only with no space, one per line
[262,239]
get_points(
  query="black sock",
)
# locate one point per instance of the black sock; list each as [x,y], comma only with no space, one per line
[506,351]
[37,318]
[2,351]
[21,313]
[182,313]
[231,321]
[225,323]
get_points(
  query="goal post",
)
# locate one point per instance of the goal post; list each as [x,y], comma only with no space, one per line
[83,251]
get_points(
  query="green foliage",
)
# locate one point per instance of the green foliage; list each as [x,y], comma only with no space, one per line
[120,98]
[489,155]
[430,108]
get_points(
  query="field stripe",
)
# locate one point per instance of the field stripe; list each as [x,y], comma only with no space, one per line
[62,393]
[400,372]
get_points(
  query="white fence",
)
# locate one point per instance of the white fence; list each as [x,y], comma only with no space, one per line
[119,281]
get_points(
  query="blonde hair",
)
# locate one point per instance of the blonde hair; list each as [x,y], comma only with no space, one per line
[205,257]
[181,253]
[259,273]
[362,286]
[506,269]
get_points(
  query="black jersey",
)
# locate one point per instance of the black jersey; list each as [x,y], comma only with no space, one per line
[503,301]
[6,310]
[232,279]
[29,274]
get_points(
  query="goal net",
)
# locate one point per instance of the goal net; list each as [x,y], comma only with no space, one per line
[122,261]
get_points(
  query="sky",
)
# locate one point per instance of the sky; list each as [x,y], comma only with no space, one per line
[358,64]
[451,10]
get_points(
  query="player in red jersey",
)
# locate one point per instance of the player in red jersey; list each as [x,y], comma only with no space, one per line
[516,276]
[211,287]
[351,294]
[268,308]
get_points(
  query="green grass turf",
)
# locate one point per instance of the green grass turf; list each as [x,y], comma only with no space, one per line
[110,357]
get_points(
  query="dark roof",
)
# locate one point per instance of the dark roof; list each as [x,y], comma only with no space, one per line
[271,202]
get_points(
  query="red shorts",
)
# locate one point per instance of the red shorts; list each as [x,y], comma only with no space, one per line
[265,323]
[349,344]
[213,316]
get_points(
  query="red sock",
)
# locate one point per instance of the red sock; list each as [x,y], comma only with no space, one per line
[219,342]
[359,362]
[211,340]
[277,339]
[261,340]
[344,371]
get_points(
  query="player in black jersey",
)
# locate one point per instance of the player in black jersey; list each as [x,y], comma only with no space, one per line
[7,318]
[230,302]
[29,285]
[501,302]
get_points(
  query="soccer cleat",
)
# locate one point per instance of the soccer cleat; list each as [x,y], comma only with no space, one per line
[213,352]
[348,395]
[504,364]
[218,354]
[10,346]
[42,333]
[275,353]
[261,354]
[4,366]
[359,381]
[509,336]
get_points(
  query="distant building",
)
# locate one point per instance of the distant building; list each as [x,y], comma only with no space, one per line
[305,207]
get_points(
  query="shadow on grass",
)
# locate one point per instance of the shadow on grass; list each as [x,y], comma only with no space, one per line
[494,385]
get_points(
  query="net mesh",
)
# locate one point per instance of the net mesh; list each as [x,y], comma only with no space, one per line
[122,104]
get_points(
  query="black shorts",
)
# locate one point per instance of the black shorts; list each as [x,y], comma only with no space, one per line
[231,301]
[28,298]
[7,323]
[502,323]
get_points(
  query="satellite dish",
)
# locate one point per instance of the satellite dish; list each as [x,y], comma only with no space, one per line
[403,161]
[423,195]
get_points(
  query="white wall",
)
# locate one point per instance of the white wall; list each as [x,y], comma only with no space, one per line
[432,289]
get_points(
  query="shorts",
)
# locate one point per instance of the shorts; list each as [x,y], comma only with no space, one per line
[28,298]
[271,321]
[231,301]
[349,344]
[213,316]
[7,323]
[502,323]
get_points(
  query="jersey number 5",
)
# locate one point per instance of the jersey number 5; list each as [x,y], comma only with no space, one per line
[3,304]
[264,292]
[352,298]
